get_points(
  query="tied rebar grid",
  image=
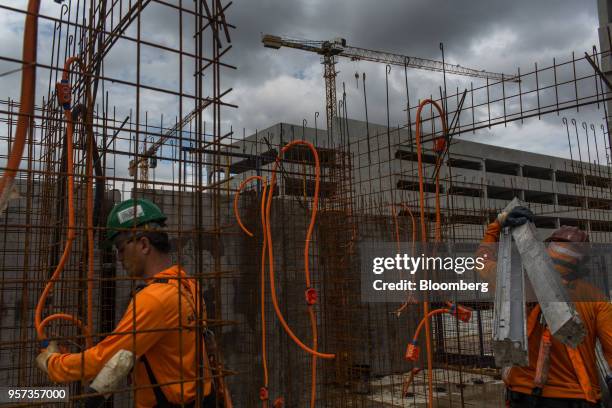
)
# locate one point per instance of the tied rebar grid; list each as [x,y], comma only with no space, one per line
[135,108]
[475,184]
[152,141]
[382,197]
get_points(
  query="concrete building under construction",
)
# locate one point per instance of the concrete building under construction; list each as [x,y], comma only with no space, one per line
[477,179]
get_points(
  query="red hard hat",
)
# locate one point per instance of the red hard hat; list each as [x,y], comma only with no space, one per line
[568,234]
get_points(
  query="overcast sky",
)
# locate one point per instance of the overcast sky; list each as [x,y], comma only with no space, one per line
[286,85]
[274,85]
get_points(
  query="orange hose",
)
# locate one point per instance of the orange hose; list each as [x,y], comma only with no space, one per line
[41,324]
[265,218]
[263,272]
[28,94]
[279,314]
[311,313]
[237,196]
[63,316]
[426,319]
[424,231]
[68,246]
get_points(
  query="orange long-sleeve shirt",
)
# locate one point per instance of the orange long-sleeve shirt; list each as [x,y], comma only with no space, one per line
[563,380]
[150,326]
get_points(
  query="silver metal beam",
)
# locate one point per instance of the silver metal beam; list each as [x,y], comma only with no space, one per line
[557,308]
[510,345]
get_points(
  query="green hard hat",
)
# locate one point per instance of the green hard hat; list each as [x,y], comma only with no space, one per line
[131,213]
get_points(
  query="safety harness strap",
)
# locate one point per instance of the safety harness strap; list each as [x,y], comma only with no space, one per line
[574,355]
[160,397]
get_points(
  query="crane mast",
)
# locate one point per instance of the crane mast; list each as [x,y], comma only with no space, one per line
[329,64]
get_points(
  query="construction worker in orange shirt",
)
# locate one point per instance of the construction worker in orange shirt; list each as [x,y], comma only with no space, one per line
[158,326]
[566,377]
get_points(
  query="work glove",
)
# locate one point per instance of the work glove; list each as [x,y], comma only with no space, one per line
[518,216]
[43,358]
[113,372]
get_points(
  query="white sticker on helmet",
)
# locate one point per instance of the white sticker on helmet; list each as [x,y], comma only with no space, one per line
[128,214]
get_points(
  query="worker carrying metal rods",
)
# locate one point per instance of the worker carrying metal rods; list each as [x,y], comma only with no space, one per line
[557,376]
[159,325]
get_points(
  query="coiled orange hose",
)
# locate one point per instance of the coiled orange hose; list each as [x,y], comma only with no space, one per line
[38,322]
[424,230]
[28,94]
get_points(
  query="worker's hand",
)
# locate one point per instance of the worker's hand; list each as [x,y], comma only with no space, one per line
[518,216]
[43,358]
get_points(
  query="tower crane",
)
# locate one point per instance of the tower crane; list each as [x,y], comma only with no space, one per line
[330,50]
[148,159]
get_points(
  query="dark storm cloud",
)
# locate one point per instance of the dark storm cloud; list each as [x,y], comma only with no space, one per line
[496,36]
[410,27]
[287,85]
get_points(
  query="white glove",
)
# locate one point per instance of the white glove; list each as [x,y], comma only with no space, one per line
[113,372]
[43,358]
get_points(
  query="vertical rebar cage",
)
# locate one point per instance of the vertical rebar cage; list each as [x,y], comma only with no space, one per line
[146,104]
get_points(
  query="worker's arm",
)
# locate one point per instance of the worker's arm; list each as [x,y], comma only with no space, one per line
[488,246]
[144,313]
[488,252]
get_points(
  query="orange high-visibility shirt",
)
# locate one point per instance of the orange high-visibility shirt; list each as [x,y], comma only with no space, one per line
[563,380]
[150,326]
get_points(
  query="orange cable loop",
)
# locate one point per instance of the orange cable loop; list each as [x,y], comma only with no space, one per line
[64,95]
[426,318]
[309,290]
[237,196]
[424,230]
[306,246]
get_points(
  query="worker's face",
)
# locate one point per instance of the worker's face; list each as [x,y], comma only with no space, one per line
[131,252]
